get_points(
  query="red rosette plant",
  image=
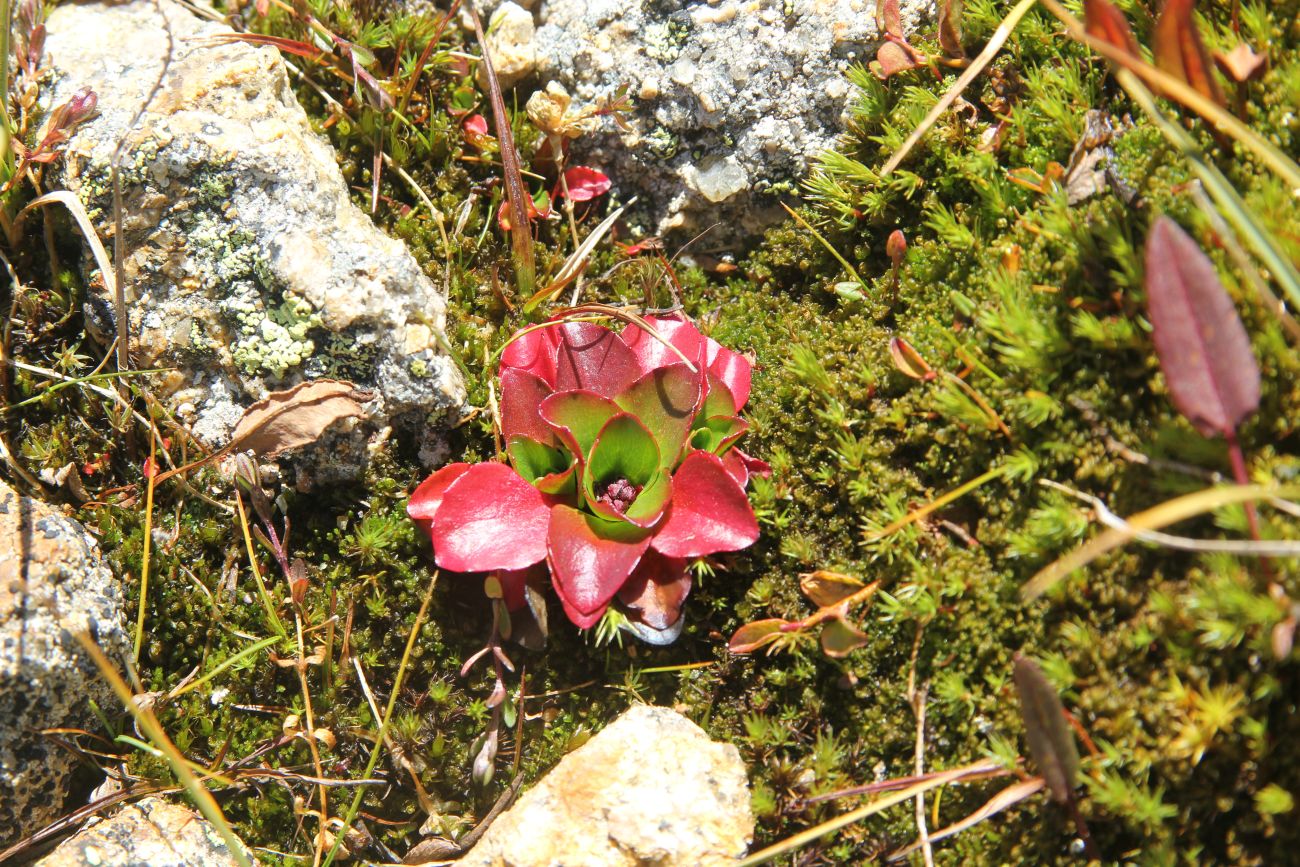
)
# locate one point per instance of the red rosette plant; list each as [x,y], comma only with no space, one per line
[623,468]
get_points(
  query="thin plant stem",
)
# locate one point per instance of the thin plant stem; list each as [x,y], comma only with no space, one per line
[6,131]
[977,65]
[271,614]
[301,666]
[939,503]
[151,473]
[388,716]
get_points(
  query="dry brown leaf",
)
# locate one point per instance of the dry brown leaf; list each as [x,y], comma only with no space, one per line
[297,416]
[1241,64]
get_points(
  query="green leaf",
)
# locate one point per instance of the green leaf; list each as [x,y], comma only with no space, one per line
[534,460]
[718,433]
[577,416]
[665,400]
[624,449]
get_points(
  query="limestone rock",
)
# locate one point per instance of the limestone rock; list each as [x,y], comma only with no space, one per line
[651,789]
[249,268]
[52,585]
[151,832]
[734,98]
[510,45]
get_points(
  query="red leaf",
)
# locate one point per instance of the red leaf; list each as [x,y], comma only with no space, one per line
[1105,22]
[1203,348]
[950,13]
[522,394]
[1179,51]
[534,352]
[592,357]
[742,466]
[888,19]
[588,565]
[893,58]
[733,369]
[657,589]
[651,354]
[476,124]
[585,183]
[709,513]
[752,636]
[490,518]
[427,497]
[291,46]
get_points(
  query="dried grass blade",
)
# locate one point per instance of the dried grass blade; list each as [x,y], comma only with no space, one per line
[576,262]
[521,235]
[1169,512]
[1008,797]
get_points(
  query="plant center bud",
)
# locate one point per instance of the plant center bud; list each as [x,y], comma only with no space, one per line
[618,494]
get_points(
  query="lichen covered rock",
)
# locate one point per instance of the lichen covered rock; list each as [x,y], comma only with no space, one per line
[248,267]
[734,98]
[52,586]
[152,832]
[649,789]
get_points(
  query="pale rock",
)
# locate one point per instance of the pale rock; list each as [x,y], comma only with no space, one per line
[510,35]
[249,267]
[151,833]
[721,69]
[53,585]
[719,179]
[651,789]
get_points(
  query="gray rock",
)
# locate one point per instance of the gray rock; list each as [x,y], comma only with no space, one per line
[734,98]
[249,268]
[53,585]
[649,789]
[152,833]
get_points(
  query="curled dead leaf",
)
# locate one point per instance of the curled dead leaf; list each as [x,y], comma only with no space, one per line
[298,416]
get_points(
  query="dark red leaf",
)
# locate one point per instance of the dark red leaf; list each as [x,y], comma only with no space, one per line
[1202,346]
[657,589]
[892,58]
[1179,51]
[709,512]
[490,518]
[427,497]
[677,330]
[522,394]
[1105,22]
[592,357]
[590,558]
[1051,743]
[585,183]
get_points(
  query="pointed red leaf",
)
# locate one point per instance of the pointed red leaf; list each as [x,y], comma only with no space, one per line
[585,184]
[592,357]
[657,589]
[709,512]
[522,394]
[652,354]
[1105,22]
[733,369]
[1179,51]
[950,15]
[1202,346]
[427,497]
[590,558]
[533,352]
[490,518]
